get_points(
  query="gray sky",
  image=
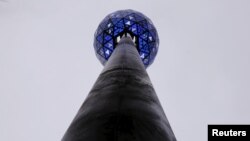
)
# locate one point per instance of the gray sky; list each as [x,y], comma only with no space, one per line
[48,65]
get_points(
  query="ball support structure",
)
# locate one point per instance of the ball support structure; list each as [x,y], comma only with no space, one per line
[126,22]
[122,105]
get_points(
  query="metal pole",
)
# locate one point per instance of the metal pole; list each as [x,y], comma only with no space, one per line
[122,105]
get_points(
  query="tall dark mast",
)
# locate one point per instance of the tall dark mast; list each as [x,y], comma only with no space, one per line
[122,105]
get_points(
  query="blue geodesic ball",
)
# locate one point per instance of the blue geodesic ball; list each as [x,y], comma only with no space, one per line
[129,22]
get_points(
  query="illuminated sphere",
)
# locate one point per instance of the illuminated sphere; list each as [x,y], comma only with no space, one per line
[126,22]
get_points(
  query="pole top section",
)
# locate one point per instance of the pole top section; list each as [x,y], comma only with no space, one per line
[126,23]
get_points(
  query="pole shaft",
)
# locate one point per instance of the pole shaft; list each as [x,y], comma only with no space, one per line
[122,105]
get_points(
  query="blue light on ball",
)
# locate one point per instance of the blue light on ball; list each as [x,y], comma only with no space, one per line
[131,22]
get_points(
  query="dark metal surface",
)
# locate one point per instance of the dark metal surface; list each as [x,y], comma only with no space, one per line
[122,105]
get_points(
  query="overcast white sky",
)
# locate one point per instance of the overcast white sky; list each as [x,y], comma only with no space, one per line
[48,64]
